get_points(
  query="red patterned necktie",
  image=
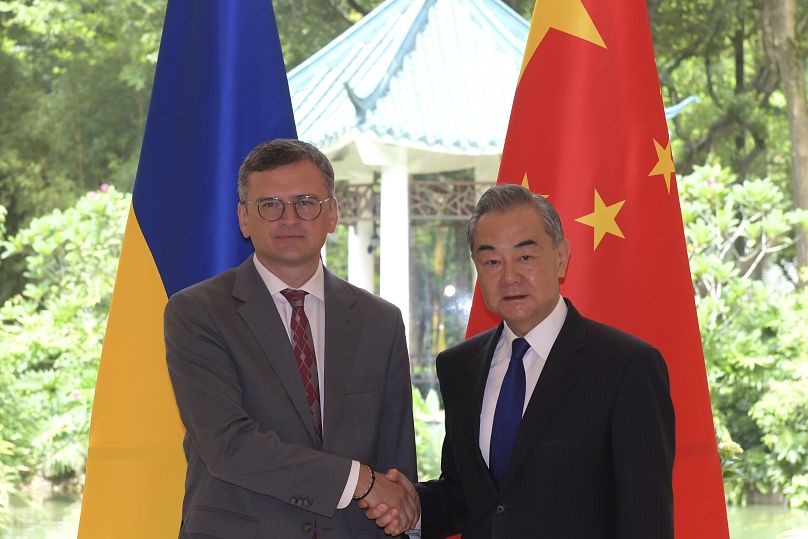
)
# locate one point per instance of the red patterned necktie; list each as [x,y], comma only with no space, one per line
[303,346]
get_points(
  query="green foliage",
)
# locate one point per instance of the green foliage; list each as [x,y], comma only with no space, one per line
[51,332]
[429,432]
[7,477]
[713,49]
[75,78]
[751,319]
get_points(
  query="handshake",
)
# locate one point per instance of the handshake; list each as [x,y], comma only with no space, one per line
[390,499]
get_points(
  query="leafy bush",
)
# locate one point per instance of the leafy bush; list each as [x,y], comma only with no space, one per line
[429,432]
[7,476]
[751,319]
[51,333]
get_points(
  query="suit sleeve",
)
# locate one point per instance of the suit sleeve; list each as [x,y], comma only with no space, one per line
[232,446]
[643,442]
[396,447]
[443,503]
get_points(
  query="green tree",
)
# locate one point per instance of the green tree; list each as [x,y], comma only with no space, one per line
[750,78]
[75,77]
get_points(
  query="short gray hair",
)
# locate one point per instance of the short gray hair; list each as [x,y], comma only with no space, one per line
[280,152]
[507,196]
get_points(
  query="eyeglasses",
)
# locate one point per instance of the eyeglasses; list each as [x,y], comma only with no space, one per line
[306,207]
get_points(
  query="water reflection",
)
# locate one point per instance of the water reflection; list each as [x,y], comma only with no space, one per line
[59,519]
[52,519]
[767,522]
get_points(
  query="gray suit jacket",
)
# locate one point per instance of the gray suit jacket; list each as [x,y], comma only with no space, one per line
[255,466]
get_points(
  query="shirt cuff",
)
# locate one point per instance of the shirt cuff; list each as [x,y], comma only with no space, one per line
[350,487]
[415,532]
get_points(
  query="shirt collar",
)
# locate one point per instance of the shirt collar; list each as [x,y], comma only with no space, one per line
[542,337]
[315,286]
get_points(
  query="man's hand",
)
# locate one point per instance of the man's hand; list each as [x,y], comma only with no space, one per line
[393,503]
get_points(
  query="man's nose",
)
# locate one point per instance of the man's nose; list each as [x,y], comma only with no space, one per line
[289,214]
[509,273]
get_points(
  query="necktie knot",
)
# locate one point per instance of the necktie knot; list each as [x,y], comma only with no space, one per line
[294,297]
[519,348]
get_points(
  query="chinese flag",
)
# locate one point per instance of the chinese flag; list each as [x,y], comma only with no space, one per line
[588,131]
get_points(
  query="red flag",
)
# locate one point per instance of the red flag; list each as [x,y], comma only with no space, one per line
[588,131]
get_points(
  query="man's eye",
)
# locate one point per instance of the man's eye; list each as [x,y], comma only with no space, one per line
[491,262]
[306,202]
[270,204]
[525,258]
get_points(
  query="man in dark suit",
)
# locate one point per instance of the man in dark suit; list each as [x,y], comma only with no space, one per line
[293,385]
[556,426]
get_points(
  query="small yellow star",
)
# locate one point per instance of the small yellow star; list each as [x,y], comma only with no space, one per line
[603,219]
[664,163]
[568,16]
[526,184]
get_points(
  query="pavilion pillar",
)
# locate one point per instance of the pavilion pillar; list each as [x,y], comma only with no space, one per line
[360,254]
[394,270]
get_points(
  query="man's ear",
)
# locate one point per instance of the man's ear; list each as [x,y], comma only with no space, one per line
[333,215]
[563,251]
[243,221]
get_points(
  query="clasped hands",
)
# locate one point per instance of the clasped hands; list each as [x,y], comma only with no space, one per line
[393,503]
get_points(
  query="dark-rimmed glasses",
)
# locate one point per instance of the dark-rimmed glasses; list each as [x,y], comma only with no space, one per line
[308,208]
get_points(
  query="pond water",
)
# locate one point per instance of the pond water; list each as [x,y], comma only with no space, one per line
[53,519]
[59,519]
[767,522]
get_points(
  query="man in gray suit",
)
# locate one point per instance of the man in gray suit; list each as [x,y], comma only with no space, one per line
[293,385]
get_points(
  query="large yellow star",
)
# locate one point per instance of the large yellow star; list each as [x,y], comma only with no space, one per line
[603,219]
[664,163]
[569,16]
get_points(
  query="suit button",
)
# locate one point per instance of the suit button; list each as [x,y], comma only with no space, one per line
[293,501]
[306,502]
[307,527]
[500,509]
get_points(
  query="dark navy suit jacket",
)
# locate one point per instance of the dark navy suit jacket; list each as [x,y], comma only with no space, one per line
[593,457]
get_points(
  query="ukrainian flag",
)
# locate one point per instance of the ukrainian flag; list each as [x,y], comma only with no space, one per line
[220,88]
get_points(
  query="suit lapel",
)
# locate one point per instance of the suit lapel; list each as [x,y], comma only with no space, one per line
[260,314]
[560,372]
[486,354]
[341,338]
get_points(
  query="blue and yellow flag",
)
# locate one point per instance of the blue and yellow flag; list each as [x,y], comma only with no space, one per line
[220,88]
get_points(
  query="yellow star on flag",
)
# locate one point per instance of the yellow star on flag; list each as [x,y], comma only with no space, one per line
[568,16]
[664,163]
[526,184]
[603,219]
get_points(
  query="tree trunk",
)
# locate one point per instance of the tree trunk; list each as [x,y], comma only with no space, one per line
[782,48]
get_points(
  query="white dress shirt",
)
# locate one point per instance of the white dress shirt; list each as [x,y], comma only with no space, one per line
[541,339]
[314,306]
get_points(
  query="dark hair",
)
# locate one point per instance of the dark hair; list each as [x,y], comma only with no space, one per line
[279,152]
[508,196]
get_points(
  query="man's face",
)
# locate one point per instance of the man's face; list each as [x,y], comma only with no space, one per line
[289,247]
[518,269]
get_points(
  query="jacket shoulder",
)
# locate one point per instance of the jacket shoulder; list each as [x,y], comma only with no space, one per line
[605,335]
[473,347]
[214,289]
